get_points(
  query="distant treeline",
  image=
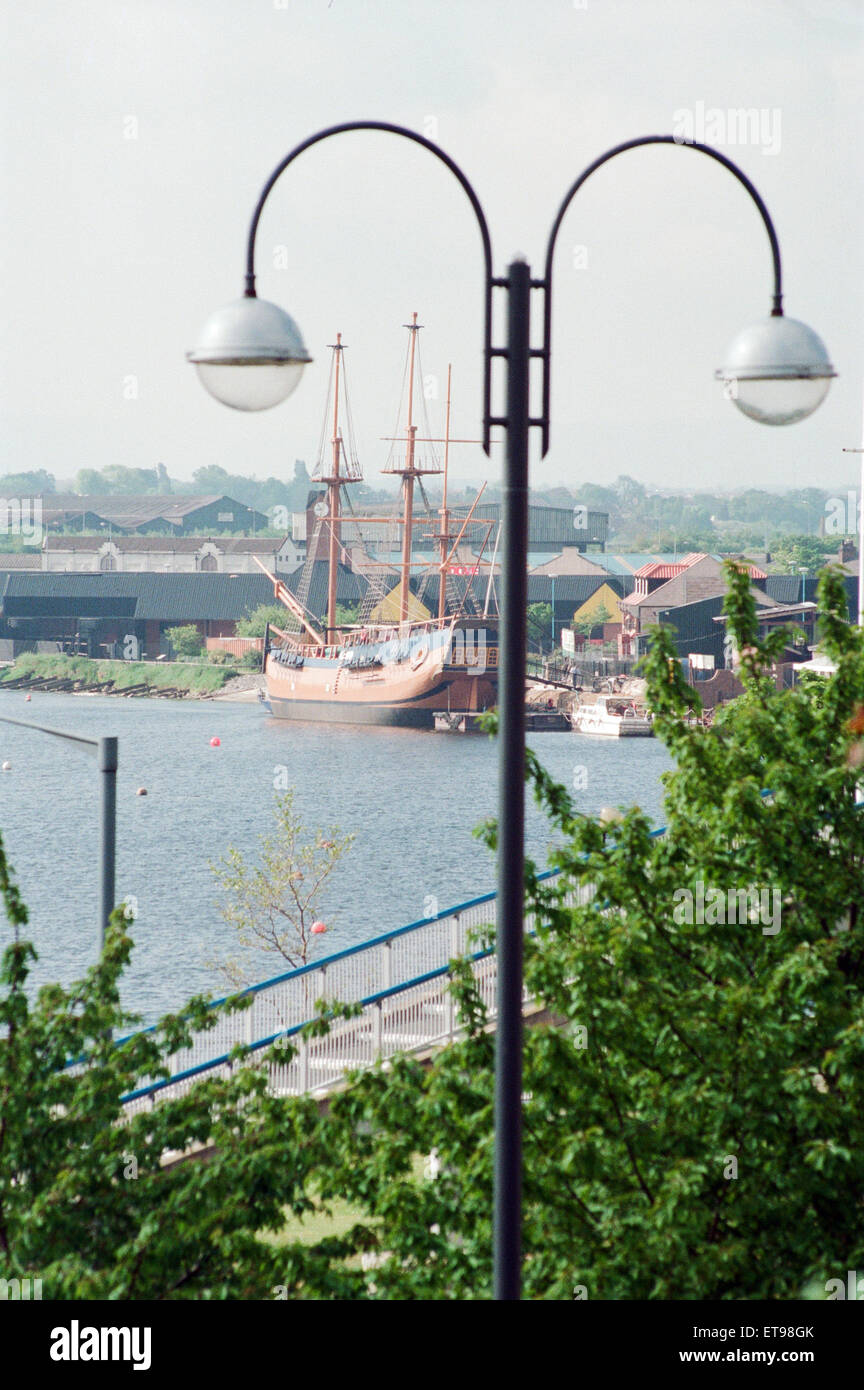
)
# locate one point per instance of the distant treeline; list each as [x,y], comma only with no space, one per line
[115,480]
[640,518]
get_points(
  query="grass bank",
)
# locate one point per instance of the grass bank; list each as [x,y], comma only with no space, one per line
[197,679]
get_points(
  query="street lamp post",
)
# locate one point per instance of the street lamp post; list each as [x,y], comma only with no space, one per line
[105,750]
[250,356]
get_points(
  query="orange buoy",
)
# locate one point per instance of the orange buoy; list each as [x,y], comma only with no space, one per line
[28,697]
[318,928]
[215,742]
[142,791]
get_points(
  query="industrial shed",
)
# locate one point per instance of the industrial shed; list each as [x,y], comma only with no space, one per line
[94,613]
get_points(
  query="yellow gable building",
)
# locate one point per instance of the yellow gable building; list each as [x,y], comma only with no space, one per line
[604,597]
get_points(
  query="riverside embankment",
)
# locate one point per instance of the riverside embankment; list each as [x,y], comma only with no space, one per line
[79,675]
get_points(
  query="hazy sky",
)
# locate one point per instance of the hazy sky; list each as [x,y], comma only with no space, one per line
[136,138]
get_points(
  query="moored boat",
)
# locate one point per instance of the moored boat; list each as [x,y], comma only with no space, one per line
[612,716]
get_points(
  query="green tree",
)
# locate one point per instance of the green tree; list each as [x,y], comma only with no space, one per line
[254,625]
[186,640]
[694,1126]
[90,483]
[116,479]
[272,906]
[347,614]
[539,623]
[35,483]
[87,1202]
[595,618]
[808,552]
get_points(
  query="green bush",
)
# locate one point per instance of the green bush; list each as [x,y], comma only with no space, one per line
[254,625]
[186,640]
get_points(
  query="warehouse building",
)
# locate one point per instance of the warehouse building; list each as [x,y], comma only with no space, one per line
[171,515]
[94,614]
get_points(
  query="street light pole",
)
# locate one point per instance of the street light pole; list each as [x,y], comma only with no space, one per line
[511,802]
[250,356]
[105,750]
[106,754]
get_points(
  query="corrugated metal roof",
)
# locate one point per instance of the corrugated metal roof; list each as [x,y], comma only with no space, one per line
[140,507]
[548,526]
[128,510]
[18,560]
[570,588]
[786,588]
[157,597]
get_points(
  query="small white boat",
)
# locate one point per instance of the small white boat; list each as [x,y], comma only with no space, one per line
[613,716]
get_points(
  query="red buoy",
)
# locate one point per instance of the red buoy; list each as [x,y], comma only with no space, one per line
[28,697]
[318,928]
[215,742]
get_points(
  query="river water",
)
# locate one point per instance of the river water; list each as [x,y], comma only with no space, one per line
[410,797]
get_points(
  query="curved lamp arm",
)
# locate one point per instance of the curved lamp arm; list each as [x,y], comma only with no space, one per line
[472,198]
[546,283]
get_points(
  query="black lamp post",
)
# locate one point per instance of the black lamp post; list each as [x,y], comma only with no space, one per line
[250,356]
[105,751]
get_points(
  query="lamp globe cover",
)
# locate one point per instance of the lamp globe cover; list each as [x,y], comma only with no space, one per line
[250,354]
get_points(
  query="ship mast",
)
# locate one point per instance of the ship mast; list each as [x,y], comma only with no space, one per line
[444,537]
[341,469]
[334,497]
[412,470]
[408,476]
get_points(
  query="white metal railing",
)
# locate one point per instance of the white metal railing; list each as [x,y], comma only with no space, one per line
[401,981]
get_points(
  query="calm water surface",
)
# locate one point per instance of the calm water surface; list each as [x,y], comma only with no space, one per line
[411,798]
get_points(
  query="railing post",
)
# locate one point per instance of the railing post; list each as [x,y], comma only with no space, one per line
[456,947]
[378,1029]
[388,966]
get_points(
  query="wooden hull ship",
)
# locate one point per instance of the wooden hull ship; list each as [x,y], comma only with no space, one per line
[396,671]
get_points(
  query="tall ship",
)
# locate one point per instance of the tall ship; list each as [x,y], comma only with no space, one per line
[400,663]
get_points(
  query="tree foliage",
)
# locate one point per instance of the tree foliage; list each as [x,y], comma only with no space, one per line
[594,618]
[254,625]
[796,552]
[88,1202]
[116,479]
[186,640]
[33,483]
[693,1119]
[539,623]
